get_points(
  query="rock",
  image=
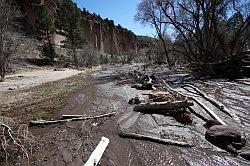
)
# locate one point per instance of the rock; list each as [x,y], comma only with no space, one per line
[211,123]
[100,33]
[222,134]
[184,118]
[225,137]
[148,86]
[137,86]
[135,100]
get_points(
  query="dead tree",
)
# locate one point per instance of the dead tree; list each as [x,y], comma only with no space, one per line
[211,35]
[9,38]
[150,13]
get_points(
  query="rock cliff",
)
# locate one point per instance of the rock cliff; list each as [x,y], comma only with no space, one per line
[104,36]
[100,33]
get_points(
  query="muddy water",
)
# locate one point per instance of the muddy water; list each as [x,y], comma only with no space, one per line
[235,96]
[73,144]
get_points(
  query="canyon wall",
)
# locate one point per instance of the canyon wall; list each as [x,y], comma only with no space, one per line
[104,36]
[101,34]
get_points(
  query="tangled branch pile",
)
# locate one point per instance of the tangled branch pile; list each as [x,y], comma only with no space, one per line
[16,140]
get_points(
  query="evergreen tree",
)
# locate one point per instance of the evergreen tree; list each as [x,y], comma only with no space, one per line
[70,18]
[45,28]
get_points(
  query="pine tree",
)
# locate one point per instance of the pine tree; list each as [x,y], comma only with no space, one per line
[45,28]
[70,18]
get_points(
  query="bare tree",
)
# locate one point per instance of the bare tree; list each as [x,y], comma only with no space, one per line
[8,36]
[210,32]
[150,13]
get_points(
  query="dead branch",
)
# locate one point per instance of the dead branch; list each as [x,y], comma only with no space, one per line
[162,107]
[208,110]
[197,114]
[154,139]
[8,135]
[219,105]
[79,118]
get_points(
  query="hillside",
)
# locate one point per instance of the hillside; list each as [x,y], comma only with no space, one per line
[102,34]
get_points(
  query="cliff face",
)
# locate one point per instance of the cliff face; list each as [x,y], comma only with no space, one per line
[101,34]
[104,36]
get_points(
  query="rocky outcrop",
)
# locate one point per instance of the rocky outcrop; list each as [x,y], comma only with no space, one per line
[104,36]
[101,34]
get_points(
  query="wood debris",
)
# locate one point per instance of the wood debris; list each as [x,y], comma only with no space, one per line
[69,118]
[154,139]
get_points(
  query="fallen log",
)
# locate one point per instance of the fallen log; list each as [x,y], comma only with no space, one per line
[217,104]
[209,111]
[164,108]
[154,139]
[79,118]
[98,152]
[95,117]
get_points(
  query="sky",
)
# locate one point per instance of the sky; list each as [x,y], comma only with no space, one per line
[121,11]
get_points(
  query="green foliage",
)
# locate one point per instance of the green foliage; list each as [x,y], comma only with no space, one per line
[45,22]
[45,28]
[70,17]
[104,58]
[48,51]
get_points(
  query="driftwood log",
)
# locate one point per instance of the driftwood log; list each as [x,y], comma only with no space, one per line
[154,139]
[45,122]
[97,153]
[164,108]
[217,104]
[209,111]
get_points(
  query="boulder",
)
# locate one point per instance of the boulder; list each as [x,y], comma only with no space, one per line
[225,137]
[221,134]
[211,123]
[135,100]
[184,118]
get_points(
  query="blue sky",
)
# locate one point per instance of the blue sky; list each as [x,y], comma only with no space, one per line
[121,11]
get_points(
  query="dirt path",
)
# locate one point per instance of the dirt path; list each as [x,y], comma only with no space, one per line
[34,78]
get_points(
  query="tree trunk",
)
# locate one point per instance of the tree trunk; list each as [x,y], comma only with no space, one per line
[155,139]
[2,64]
[164,108]
[166,52]
[75,59]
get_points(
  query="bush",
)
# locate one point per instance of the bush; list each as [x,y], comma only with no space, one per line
[48,51]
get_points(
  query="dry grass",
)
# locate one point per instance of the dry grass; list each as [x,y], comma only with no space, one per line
[40,101]
[16,141]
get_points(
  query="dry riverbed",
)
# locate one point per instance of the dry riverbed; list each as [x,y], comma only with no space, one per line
[96,92]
